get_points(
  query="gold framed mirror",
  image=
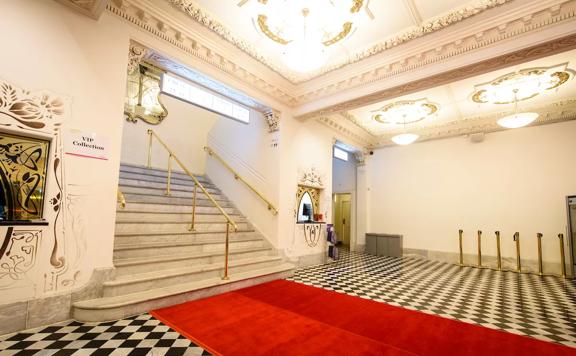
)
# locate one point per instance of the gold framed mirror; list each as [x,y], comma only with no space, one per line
[142,99]
[308,204]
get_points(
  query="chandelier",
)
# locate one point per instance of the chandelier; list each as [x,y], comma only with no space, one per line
[304,30]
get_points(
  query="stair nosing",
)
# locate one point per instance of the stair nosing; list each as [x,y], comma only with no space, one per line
[143,246]
[173,290]
[180,233]
[123,262]
[150,276]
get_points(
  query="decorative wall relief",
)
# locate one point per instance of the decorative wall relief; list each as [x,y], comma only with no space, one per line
[18,255]
[40,114]
[23,163]
[311,178]
[273,120]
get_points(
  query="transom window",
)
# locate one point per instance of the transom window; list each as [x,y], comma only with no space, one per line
[340,154]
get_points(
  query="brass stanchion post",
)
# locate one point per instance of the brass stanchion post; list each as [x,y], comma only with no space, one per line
[540,266]
[498,254]
[460,232]
[562,257]
[225,277]
[479,248]
[518,261]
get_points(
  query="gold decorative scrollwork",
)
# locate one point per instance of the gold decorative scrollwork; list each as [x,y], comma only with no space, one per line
[263,24]
[356,6]
[23,164]
[346,28]
[314,195]
[143,97]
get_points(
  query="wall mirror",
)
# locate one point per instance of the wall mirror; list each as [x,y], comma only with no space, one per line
[308,204]
[305,208]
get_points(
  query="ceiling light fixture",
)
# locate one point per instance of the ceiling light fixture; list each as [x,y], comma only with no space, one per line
[405,139]
[305,29]
[522,85]
[517,120]
[405,112]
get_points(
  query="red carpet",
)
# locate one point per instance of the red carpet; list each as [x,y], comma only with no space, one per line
[287,318]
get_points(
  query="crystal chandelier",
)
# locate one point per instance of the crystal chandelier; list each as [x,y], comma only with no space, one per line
[304,30]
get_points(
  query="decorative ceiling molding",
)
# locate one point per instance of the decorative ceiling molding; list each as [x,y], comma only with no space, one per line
[554,112]
[135,55]
[512,28]
[489,65]
[185,40]
[361,139]
[90,8]
[202,16]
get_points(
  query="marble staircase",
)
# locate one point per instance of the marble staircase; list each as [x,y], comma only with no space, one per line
[159,262]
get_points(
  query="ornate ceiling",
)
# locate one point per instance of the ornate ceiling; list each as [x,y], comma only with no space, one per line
[412,50]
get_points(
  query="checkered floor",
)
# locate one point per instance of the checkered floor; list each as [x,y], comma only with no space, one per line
[135,336]
[541,307]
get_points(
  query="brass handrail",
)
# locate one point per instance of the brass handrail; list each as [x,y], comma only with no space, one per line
[120,198]
[237,176]
[171,155]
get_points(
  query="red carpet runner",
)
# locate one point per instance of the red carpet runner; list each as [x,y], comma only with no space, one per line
[287,318]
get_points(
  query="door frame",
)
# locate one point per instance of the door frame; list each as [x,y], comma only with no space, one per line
[569,232]
[352,215]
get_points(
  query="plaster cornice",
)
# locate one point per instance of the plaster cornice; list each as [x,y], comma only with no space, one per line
[495,63]
[202,16]
[90,8]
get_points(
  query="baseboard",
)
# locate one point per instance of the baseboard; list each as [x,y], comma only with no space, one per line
[52,309]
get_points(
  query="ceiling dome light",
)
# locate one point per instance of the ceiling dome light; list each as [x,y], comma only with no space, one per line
[405,112]
[304,30]
[405,139]
[518,120]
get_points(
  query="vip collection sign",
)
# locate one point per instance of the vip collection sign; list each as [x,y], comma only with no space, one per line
[86,144]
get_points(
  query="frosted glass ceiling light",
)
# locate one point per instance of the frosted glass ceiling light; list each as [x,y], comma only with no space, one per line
[305,29]
[518,120]
[405,139]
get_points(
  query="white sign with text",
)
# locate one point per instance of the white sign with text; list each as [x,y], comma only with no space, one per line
[86,144]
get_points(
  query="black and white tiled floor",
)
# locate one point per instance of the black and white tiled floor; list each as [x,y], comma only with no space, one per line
[541,307]
[135,336]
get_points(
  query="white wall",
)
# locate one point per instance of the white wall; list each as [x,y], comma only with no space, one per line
[48,48]
[250,150]
[516,180]
[344,175]
[185,130]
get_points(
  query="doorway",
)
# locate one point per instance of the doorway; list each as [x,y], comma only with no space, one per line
[572,230]
[342,217]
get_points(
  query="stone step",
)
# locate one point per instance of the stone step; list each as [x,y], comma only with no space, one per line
[165,208]
[162,248]
[173,193]
[133,266]
[161,173]
[162,185]
[159,279]
[120,307]
[162,199]
[156,179]
[138,227]
[180,238]
[127,216]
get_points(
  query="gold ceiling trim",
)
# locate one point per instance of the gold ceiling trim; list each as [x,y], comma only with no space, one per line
[346,28]
[206,19]
[356,6]
[431,109]
[263,24]
[559,78]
